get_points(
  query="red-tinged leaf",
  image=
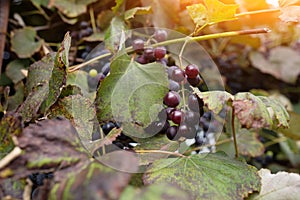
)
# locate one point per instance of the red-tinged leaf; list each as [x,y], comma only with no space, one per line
[290,14]
[251,111]
[49,145]
[96,181]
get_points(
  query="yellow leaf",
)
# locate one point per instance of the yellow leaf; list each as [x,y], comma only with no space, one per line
[198,13]
[213,11]
[220,12]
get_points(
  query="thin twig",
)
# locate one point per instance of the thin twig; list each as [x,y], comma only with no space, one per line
[234,134]
[10,157]
[174,41]
[162,152]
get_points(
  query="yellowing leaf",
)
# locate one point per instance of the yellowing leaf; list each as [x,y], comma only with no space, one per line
[219,12]
[198,13]
[214,11]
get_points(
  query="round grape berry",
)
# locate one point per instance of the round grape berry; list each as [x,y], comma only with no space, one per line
[172,99]
[185,131]
[138,45]
[160,35]
[191,71]
[93,73]
[178,75]
[171,132]
[177,116]
[149,54]
[159,52]
[193,103]
[108,127]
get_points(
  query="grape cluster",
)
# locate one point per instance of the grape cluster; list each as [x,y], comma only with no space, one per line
[176,119]
[183,113]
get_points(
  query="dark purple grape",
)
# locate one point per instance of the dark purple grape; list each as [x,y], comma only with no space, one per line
[160,35]
[105,69]
[185,131]
[195,81]
[108,127]
[177,116]
[169,111]
[178,75]
[171,132]
[149,54]
[192,71]
[141,59]
[83,24]
[204,124]
[193,103]
[159,52]
[173,85]
[170,71]
[138,45]
[191,118]
[172,99]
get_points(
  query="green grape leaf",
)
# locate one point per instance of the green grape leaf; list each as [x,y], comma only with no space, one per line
[80,111]
[137,11]
[158,142]
[40,71]
[251,111]
[17,99]
[80,79]
[96,181]
[113,34]
[282,185]
[154,191]
[23,42]
[49,145]
[59,73]
[285,3]
[10,125]
[131,92]
[214,100]
[294,130]
[30,107]
[118,7]
[213,175]
[40,3]
[71,8]
[198,13]
[280,114]
[16,70]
